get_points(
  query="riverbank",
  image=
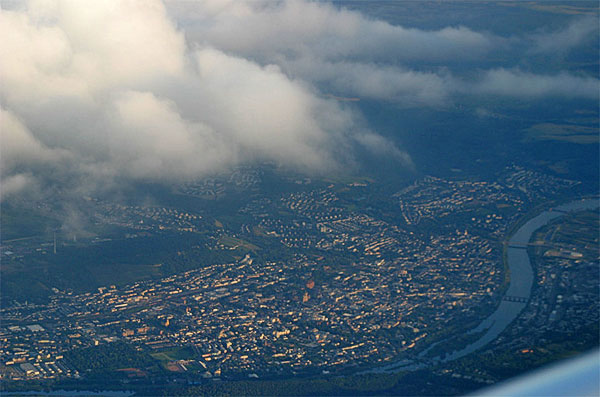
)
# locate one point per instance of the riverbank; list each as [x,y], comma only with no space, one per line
[516,296]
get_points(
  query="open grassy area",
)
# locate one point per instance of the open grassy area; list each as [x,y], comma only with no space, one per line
[581,230]
[16,223]
[235,243]
[174,354]
[84,267]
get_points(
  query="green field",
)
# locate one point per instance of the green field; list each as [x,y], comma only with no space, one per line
[17,223]
[85,267]
[237,243]
[174,354]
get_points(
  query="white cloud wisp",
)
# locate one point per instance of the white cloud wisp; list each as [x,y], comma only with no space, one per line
[141,90]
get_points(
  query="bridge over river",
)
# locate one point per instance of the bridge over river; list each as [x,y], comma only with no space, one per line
[516,296]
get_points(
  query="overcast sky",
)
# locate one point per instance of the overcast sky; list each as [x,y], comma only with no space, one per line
[100,92]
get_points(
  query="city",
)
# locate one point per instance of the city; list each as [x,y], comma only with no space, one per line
[353,292]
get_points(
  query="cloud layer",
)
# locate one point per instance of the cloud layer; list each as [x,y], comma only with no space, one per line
[115,91]
[356,56]
[140,90]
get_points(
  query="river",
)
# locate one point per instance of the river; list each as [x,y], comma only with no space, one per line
[516,296]
[71,393]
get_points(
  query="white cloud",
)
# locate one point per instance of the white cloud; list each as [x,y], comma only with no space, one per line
[373,81]
[149,139]
[377,144]
[15,184]
[110,90]
[576,33]
[116,88]
[516,83]
[355,56]
[19,147]
[267,30]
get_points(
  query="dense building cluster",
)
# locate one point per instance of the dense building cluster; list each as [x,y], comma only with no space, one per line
[401,285]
